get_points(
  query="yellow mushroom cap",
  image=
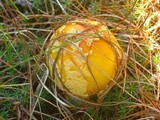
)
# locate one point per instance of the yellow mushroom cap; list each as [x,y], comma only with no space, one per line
[83,57]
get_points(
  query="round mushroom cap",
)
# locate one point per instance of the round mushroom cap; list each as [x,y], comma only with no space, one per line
[83,57]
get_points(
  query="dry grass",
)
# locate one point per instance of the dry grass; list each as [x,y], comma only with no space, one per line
[25,29]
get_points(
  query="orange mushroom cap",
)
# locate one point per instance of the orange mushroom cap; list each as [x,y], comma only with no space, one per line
[83,57]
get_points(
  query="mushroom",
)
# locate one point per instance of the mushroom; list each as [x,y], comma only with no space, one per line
[83,57]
